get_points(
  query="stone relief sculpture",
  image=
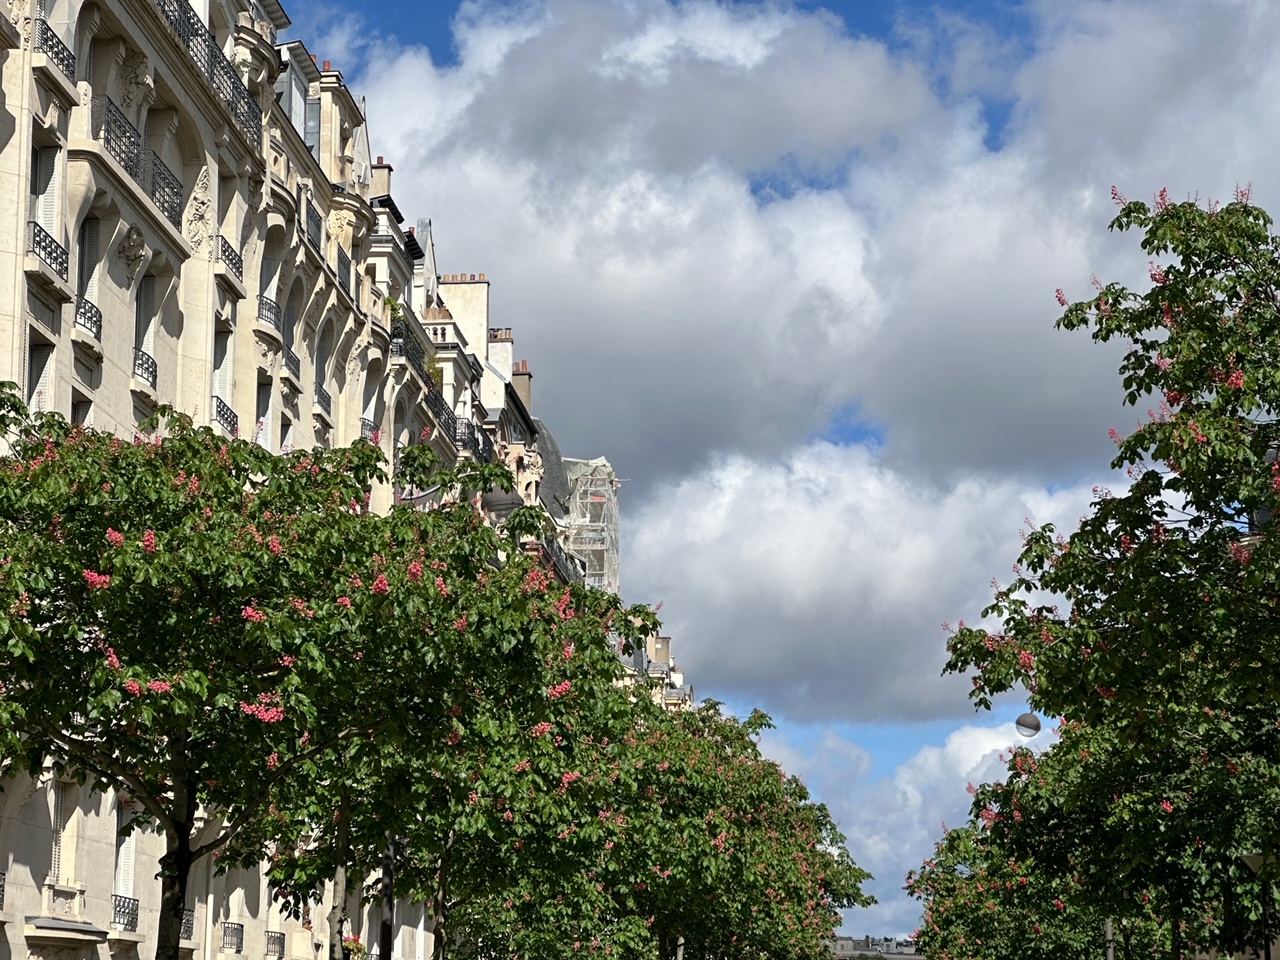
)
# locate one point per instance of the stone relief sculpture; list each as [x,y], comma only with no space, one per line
[20,15]
[198,214]
[135,83]
[131,250]
[269,354]
[340,222]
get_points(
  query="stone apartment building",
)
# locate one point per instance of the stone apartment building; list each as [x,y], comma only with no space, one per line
[196,218]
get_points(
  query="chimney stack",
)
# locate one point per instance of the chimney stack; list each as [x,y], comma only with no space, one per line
[522,381]
[327,66]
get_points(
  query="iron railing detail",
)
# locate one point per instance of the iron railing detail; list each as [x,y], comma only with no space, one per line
[121,139]
[313,225]
[344,271]
[224,415]
[359,293]
[166,191]
[231,257]
[89,317]
[487,452]
[212,63]
[2,876]
[440,410]
[233,937]
[324,400]
[292,363]
[466,436]
[124,913]
[274,943]
[269,312]
[144,366]
[367,428]
[405,344]
[48,249]
[50,44]
[568,570]
[188,925]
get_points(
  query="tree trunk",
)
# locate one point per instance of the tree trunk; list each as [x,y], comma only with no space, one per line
[387,919]
[175,869]
[339,881]
[440,904]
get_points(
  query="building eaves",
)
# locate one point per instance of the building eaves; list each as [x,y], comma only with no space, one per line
[386,203]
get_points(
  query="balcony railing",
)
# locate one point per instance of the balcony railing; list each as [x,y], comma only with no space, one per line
[210,61]
[233,938]
[231,257]
[269,312]
[48,249]
[89,317]
[124,913]
[568,570]
[223,414]
[440,410]
[144,366]
[344,270]
[405,344]
[466,435]
[323,400]
[292,363]
[2,876]
[367,428]
[188,925]
[313,225]
[274,943]
[166,191]
[51,45]
[118,136]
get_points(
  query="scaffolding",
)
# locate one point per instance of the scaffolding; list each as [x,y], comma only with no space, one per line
[593,520]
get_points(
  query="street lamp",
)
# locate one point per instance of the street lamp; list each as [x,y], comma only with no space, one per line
[1028,725]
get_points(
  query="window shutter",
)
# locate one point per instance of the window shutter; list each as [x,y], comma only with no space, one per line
[89,259]
[298,103]
[125,847]
[222,365]
[59,823]
[48,210]
[312,133]
[144,334]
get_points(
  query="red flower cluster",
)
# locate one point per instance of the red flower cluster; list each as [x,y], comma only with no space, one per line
[97,581]
[267,709]
[253,614]
[380,585]
[559,690]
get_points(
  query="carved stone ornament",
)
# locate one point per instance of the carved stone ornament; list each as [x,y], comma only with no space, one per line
[340,222]
[135,83]
[198,216]
[268,354]
[20,14]
[131,250]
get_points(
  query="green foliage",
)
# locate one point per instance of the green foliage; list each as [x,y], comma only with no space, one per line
[1152,629]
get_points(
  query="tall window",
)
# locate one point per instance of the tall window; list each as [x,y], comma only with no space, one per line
[64,797]
[311,127]
[43,201]
[39,374]
[262,414]
[144,333]
[87,268]
[125,851]
[222,358]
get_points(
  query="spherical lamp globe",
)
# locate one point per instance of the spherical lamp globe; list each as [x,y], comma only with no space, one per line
[1028,724]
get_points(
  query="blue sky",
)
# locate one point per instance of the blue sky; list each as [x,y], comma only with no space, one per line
[791,268]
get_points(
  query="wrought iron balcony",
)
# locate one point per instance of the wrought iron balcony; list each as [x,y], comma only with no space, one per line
[274,943]
[292,363]
[233,938]
[210,61]
[2,876]
[344,270]
[188,925]
[367,428]
[269,312]
[50,44]
[405,344]
[144,366]
[231,257]
[124,913]
[440,410]
[48,249]
[89,317]
[565,568]
[313,225]
[166,191]
[466,436]
[324,400]
[223,414]
[118,136]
